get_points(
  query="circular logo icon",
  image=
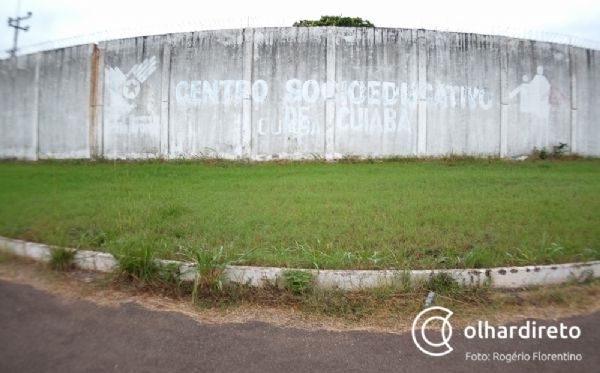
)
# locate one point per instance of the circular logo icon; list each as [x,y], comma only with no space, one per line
[131,89]
[424,321]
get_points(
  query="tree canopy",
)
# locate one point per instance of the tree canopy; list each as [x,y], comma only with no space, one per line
[335,21]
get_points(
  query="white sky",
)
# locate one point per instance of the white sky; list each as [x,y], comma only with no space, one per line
[55,20]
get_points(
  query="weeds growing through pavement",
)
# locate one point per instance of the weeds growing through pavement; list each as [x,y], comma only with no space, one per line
[298,282]
[209,266]
[61,259]
[141,266]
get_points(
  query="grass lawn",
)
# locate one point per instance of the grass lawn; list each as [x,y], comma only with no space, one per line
[392,214]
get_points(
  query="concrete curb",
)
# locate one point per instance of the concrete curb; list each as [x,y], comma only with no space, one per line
[501,277]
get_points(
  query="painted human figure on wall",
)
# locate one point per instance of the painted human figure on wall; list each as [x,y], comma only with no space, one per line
[531,130]
[534,95]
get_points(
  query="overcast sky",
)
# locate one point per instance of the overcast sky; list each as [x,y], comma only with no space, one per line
[83,21]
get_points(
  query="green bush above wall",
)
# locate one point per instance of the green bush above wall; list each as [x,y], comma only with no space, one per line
[335,21]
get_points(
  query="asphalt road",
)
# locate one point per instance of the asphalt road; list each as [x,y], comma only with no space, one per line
[40,332]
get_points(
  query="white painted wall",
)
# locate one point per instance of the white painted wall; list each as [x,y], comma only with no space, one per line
[64,103]
[206,94]
[19,85]
[300,93]
[585,103]
[132,82]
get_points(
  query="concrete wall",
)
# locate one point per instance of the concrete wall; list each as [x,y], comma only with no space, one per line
[375,105]
[538,95]
[300,93]
[207,94]
[19,87]
[64,103]
[131,98]
[585,102]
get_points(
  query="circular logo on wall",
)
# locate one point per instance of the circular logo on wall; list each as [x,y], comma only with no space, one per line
[131,89]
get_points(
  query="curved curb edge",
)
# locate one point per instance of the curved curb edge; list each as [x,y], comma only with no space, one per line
[500,277]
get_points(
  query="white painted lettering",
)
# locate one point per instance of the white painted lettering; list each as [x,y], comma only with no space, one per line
[228,91]
[370,93]
[196,91]
[242,90]
[389,119]
[352,94]
[182,91]
[389,93]
[310,91]
[210,92]
[374,92]
[293,89]
[260,90]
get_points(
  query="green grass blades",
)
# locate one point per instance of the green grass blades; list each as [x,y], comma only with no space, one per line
[209,265]
[140,265]
[446,213]
[297,282]
[61,259]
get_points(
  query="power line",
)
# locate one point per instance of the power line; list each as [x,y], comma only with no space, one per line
[16,24]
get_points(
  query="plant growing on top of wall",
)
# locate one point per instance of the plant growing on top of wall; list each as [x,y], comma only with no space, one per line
[335,21]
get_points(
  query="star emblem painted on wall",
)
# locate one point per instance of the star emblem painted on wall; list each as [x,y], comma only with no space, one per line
[129,85]
[131,89]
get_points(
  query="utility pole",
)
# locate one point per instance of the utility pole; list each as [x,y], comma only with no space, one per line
[16,24]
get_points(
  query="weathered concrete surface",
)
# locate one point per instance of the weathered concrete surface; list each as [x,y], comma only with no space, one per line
[509,277]
[132,97]
[376,99]
[585,102]
[95,261]
[270,93]
[206,95]
[538,82]
[37,251]
[462,93]
[64,88]
[289,121]
[18,107]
